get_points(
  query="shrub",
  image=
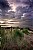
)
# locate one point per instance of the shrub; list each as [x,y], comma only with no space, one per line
[25,31]
[18,33]
[18,37]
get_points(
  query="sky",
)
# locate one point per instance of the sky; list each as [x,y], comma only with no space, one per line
[16,8]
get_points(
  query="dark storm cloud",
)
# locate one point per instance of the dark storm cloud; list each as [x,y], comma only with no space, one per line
[26,9]
[29,2]
[21,10]
[4,4]
[22,6]
[26,2]
[17,0]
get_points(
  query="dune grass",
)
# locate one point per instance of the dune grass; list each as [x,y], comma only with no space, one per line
[13,38]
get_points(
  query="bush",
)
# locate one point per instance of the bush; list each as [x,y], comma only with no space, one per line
[18,37]
[25,31]
[18,33]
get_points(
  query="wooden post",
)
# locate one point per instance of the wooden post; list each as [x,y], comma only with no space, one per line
[11,29]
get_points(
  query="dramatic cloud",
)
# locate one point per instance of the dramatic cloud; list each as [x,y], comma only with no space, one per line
[4,6]
[16,8]
[26,9]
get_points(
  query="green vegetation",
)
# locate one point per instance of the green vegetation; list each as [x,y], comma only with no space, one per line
[12,37]
[18,33]
[0,37]
[25,31]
